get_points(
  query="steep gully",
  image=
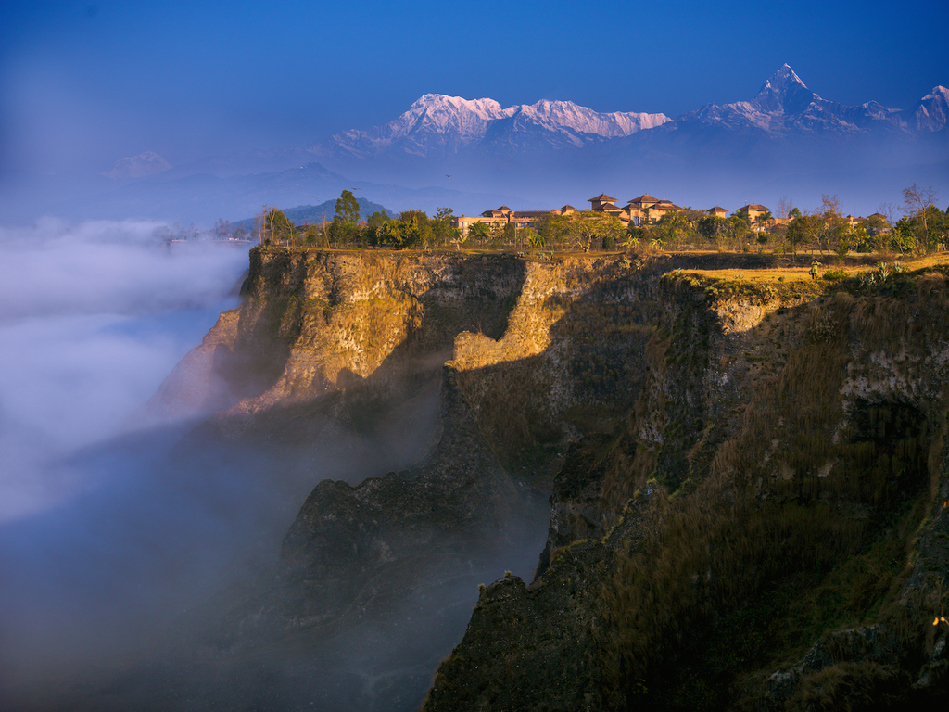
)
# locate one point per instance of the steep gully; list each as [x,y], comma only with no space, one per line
[736,470]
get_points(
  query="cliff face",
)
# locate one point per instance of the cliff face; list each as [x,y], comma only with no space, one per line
[738,466]
[543,350]
[774,517]
[444,390]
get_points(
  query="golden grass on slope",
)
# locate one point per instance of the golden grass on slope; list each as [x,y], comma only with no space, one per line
[802,272]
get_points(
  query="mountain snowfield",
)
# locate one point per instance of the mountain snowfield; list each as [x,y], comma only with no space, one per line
[455,122]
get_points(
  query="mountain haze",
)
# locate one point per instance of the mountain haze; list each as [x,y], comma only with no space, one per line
[474,154]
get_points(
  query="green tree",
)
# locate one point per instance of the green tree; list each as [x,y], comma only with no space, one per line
[636,236]
[346,220]
[582,229]
[674,228]
[509,235]
[692,216]
[903,237]
[917,201]
[532,238]
[347,208]
[441,226]
[412,229]
[590,229]
[312,235]
[479,231]
[738,229]
[714,229]
[763,219]
[861,241]
[845,238]
[803,230]
[831,215]
[876,223]
[375,226]
[554,229]
[418,228]
[938,222]
[277,228]
[377,219]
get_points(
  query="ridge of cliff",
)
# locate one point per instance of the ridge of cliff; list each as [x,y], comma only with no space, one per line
[361,337]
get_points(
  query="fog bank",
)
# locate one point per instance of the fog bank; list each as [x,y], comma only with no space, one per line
[94,316]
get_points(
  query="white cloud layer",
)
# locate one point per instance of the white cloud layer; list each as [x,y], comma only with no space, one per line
[92,317]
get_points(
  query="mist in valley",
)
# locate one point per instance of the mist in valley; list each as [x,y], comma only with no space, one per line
[94,317]
[127,542]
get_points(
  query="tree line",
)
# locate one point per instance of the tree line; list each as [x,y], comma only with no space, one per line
[921,229]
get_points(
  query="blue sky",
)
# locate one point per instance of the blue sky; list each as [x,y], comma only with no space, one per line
[83,84]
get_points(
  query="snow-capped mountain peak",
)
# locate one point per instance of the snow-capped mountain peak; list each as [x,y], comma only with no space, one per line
[440,113]
[785,106]
[932,111]
[568,116]
[781,79]
[784,92]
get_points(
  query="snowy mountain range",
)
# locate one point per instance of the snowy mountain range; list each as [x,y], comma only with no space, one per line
[437,125]
[784,141]
[785,105]
[446,124]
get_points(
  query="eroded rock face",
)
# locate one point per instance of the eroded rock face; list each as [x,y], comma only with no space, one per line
[803,435]
[459,501]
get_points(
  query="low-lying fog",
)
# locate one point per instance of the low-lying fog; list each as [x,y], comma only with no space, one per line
[117,542]
[92,319]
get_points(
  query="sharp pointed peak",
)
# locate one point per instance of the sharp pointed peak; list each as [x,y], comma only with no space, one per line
[783,77]
[784,91]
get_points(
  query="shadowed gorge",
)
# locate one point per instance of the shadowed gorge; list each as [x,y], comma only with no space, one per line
[712,481]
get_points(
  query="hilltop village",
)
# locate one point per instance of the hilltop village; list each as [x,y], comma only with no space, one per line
[645,222]
[639,211]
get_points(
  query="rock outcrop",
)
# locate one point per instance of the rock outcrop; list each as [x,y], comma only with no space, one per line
[437,394]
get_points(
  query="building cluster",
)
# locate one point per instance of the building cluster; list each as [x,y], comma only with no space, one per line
[639,211]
